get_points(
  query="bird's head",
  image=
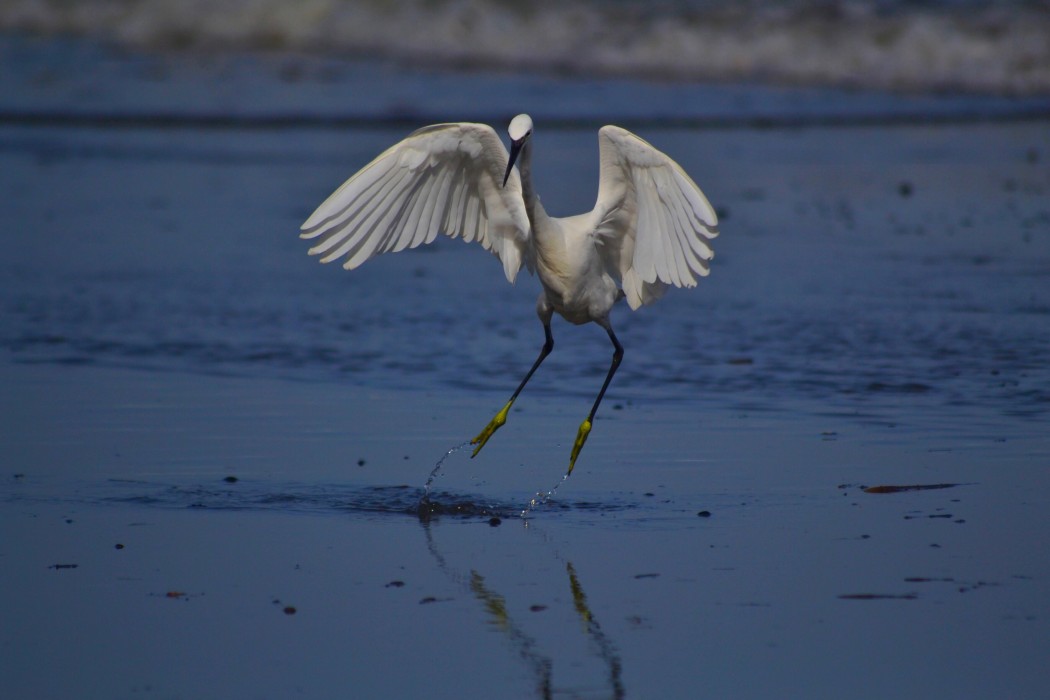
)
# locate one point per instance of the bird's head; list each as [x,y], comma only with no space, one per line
[520,131]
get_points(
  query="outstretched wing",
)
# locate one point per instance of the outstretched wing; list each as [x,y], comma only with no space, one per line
[444,178]
[654,222]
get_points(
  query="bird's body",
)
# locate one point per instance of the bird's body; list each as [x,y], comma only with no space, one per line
[649,228]
[575,282]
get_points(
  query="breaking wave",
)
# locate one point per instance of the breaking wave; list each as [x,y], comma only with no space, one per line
[970,45]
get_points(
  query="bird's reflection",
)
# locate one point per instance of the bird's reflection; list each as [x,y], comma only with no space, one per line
[594,631]
[539,663]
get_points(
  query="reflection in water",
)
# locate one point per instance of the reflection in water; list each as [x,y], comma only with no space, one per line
[606,650]
[540,664]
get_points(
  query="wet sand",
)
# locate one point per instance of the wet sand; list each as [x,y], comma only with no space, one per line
[214,448]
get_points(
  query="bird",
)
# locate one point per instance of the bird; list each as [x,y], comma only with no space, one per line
[650,228]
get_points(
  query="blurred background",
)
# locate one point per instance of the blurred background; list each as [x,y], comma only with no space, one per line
[977,45]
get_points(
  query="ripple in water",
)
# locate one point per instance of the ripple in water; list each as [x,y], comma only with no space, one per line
[399,500]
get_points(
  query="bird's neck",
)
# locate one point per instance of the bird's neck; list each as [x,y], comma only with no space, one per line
[528,192]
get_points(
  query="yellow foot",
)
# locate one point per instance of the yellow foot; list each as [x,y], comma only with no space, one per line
[581,437]
[492,427]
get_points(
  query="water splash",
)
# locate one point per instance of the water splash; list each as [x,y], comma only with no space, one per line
[541,498]
[339,499]
[425,508]
[436,471]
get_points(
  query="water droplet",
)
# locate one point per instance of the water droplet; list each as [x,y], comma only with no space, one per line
[542,498]
[436,471]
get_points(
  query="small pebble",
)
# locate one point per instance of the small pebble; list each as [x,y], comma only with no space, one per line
[704,514]
[494,521]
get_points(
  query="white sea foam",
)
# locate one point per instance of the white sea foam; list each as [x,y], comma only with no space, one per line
[1001,47]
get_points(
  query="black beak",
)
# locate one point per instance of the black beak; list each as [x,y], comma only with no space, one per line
[515,149]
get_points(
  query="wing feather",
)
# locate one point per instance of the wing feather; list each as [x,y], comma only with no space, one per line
[370,201]
[432,194]
[687,265]
[445,178]
[472,229]
[655,224]
[679,247]
[412,214]
[441,200]
[375,231]
[345,201]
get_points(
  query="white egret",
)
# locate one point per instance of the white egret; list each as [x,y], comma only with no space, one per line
[650,227]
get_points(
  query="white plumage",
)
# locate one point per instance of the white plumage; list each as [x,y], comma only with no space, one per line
[649,228]
[442,179]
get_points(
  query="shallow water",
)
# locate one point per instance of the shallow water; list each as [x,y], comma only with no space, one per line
[178,251]
[715,553]
[255,430]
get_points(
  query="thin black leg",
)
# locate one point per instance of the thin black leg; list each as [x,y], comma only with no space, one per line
[617,356]
[585,427]
[501,417]
[548,345]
